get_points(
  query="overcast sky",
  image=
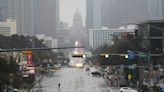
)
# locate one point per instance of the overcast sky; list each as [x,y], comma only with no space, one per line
[69,7]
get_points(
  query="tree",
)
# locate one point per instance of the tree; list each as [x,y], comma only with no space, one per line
[8,66]
[120,46]
[5,70]
[16,41]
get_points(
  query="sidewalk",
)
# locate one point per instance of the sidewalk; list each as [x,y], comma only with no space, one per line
[114,89]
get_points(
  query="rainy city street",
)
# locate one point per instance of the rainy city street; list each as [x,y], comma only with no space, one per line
[75,80]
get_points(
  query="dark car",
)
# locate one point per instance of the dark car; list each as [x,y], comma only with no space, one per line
[96,74]
[87,69]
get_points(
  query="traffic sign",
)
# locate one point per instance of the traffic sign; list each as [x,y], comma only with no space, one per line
[161,87]
[142,54]
[130,54]
[27,52]
[133,66]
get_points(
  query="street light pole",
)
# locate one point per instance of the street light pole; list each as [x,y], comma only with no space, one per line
[163,52]
[11,80]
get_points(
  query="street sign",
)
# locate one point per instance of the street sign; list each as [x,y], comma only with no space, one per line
[161,87]
[27,52]
[133,66]
[131,54]
[142,54]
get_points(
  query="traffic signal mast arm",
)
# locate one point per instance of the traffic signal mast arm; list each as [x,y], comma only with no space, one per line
[30,49]
[116,54]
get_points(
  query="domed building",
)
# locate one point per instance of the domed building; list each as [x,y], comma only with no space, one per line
[77,20]
[78,31]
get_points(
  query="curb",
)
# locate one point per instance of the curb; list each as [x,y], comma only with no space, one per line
[113,89]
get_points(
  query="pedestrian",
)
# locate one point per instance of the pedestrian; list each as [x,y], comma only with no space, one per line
[59,85]
[103,75]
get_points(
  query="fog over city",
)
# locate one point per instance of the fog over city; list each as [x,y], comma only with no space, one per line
[69,7]
[81,45]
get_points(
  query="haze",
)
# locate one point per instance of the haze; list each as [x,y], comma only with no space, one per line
[68,9]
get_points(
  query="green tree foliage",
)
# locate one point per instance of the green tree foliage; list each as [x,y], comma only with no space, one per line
[16,41]
[120,46]
[8,66]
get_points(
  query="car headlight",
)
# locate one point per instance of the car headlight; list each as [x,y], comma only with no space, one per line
[79,65]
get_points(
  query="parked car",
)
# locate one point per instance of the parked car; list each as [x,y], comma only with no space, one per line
[96,73]
[57,66]
[127,89]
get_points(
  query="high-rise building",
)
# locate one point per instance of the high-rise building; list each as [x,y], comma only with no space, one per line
[8,28]
[15,10]
[116,13]
[29,17]
[155,9]
[3,10]
[162,2]
[63,38]
[46,17]
[19,10]
[100,37]
[32,16]
[93,14]
[49,41]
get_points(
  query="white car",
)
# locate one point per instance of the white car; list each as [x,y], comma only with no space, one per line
[127,89]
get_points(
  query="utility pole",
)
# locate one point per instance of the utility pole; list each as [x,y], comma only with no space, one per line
[163,52]
[141,55]
[141,72]
[150,62]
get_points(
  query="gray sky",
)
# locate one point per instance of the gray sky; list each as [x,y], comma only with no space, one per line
[69,7]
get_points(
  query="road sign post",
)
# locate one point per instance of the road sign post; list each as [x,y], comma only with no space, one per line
[11,80]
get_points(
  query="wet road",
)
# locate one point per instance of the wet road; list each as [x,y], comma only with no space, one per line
[74,80]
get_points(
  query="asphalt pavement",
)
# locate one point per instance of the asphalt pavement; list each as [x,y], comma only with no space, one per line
[75,80]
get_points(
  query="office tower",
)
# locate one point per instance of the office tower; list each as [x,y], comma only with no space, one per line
[46,17]
[3,10]
[15,10]
[93,14]
[116,13]
[156,8]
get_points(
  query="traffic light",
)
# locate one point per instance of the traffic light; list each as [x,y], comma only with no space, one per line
[124,56]
[104,55]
